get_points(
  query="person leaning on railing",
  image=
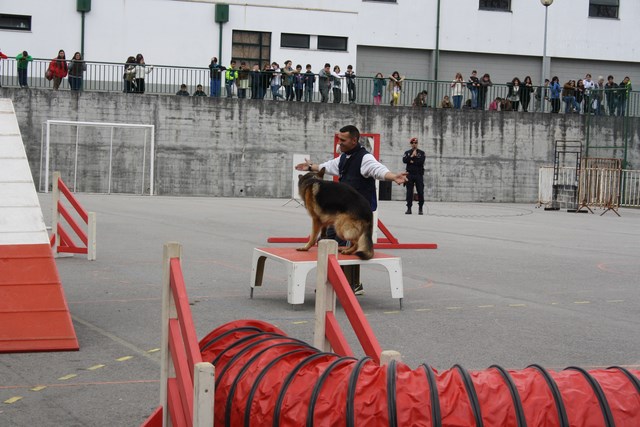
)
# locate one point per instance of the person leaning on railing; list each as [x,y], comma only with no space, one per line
[22,60]
[624,88]
[77,67]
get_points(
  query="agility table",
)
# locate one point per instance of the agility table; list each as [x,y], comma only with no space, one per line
[299,264]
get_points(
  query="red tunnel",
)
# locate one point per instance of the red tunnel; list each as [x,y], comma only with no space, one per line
[264,378]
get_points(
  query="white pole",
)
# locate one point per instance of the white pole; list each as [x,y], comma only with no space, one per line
[171,250]
[91,240]
[41,154]
[144,159]
[75,166]
[325,295]
[203,394]
[54,213]
[110,160]
[151,160]
[46,161]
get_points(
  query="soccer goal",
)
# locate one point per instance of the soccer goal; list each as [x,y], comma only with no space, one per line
[96,157]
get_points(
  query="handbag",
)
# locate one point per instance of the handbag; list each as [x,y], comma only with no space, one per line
[48,74]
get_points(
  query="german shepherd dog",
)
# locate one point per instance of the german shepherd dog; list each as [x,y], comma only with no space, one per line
[340,205]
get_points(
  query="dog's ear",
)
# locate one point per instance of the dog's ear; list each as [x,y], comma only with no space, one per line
[321,173]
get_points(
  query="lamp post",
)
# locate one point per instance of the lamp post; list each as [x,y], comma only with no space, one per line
[546,65]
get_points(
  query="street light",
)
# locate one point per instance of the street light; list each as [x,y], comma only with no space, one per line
[545,59]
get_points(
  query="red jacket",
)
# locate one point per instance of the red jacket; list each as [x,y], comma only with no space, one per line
[59,68]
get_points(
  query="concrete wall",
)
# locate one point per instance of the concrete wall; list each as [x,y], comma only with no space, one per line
[220,147]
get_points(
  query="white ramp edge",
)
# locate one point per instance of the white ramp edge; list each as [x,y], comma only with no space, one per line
[21,218]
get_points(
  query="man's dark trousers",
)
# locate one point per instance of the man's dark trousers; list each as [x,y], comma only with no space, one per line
[418,181]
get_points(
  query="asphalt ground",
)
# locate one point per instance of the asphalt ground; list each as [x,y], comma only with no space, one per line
[509,285]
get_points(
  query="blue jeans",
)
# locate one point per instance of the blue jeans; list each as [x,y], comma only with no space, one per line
[275,92]
[308,94]
[75,82]
[457,102]
[474,97]
[215,88]
[229,84]
[22,77]
[570,102]
[622,105]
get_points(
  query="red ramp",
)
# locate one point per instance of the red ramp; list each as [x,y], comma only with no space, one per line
[33,311]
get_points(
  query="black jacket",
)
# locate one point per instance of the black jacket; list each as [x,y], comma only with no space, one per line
[415,165]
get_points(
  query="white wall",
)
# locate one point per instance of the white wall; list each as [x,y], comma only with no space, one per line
[179,32]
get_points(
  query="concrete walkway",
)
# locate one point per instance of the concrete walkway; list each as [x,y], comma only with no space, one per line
[509,285]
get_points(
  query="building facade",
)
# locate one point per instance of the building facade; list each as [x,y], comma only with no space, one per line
[422,39]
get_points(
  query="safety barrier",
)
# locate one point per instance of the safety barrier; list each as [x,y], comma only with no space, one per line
[602,185]
[61,241]
[186,383]
[630,189]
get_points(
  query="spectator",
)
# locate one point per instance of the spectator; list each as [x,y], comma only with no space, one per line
[624,88]
[2,56]
[183,90]
[336,83]
[276,81]
[588,87]
[199,91]
[141,71]
[598,95]
[129,75]
[485,83]
[22,60]
[474,87]
[467,105]
[525,93]
[495,104]
[456,91]
[243,80]
[554,93]
[265,79]
[445,103]
[580,95]
[256,85]
[420,100]
[395,87]
[215,74]
[309,81]
[569,97]
[515,90]
[378,83]
[350,76]
[58,69]
[287,80]
[76,71]
[230,77]
[611,93]
[541,95]
[324,82]
[298,82]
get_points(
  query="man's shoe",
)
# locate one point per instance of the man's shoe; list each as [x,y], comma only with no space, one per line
[358,289]
[408,212]
[420,211]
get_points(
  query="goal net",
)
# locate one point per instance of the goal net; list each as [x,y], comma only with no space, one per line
[95,157]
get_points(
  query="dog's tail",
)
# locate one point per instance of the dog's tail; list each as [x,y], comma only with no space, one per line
[365,244]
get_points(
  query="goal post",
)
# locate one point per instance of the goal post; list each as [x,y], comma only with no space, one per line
[142,166]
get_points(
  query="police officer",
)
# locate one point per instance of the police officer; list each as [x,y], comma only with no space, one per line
[414,159]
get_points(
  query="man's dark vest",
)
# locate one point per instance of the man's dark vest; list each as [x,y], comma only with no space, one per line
[350,174]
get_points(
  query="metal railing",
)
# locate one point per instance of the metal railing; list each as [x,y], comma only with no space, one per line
[166,79]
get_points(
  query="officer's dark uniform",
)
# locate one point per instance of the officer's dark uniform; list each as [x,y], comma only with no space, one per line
[415,168]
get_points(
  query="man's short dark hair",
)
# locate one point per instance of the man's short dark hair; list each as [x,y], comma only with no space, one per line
[327,65]
[352,131]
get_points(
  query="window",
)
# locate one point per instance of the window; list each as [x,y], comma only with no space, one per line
[504,5]
[332,43]
[251,46]
[604,8]
[15,22]
[294,40]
